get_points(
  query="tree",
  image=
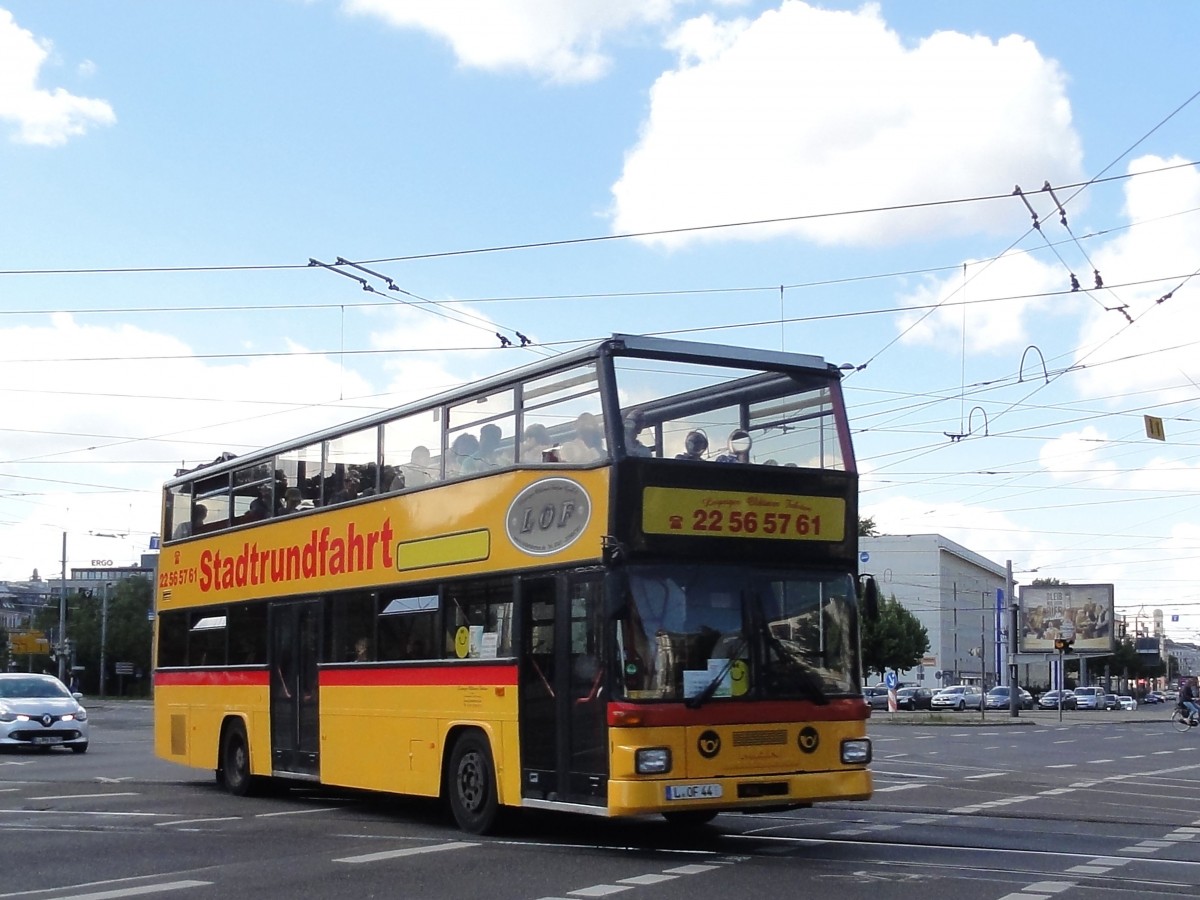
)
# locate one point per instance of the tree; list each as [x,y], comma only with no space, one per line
[896,640]
[1044,582]
[867,528]
[4,655]
[127,632]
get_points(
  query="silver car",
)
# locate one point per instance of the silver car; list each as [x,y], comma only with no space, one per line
[38,711]
[960,697]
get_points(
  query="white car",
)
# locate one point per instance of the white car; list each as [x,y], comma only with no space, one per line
[1126,702]
[960,697]
[38,711]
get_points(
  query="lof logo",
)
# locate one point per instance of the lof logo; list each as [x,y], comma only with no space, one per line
[808,740]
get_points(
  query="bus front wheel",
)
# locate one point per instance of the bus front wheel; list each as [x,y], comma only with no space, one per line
[472,785]
[234,773]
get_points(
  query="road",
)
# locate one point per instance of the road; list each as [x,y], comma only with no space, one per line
[1002,809]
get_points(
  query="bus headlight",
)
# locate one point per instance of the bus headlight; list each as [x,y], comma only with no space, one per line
[652,760]
[856,752]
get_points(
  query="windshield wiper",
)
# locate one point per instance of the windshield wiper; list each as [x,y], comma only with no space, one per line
[711,688]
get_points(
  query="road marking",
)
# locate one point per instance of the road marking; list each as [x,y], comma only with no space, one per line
[1062,766]
[1096,762]
[297,812]
[198,821]
[407,851]
[983,775]
[86,796]
[141,890]
[1065,742]
[600,890]
[647,879]
[897,787]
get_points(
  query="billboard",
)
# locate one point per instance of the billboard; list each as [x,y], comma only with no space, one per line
[1080,613]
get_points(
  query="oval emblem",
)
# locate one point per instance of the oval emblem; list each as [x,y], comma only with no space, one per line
[709,744]
[808,740]
[548,516]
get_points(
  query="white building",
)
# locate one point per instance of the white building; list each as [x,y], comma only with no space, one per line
[957,595]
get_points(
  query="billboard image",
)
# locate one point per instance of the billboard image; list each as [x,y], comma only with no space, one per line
[1080,613]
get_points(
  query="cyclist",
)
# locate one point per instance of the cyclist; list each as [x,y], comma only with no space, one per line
[1187,701]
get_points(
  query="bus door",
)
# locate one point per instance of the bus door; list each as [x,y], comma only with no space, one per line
[563,690]
[295,637]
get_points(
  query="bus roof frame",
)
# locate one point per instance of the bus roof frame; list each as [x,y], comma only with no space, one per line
[616,345]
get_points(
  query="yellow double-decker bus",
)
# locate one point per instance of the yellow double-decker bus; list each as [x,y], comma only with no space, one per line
[621,582]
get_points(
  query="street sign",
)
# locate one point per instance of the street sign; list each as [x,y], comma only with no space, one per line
[890,680]
[28,642]
[123,668]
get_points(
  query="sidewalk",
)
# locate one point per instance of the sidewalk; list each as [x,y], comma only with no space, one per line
[1159,713]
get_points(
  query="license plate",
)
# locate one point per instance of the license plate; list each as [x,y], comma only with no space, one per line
[693,791]
[47,739]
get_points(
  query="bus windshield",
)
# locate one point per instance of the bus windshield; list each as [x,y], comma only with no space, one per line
[712,632]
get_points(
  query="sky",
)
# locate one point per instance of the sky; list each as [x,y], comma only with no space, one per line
[905,188]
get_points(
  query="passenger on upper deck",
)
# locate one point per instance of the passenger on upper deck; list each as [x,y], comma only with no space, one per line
[588,444]
[187,529]
[417,471]
[695,445]
[633,446]
[464,447]
[536,444]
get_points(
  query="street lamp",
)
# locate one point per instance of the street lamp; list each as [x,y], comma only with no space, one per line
[104,638]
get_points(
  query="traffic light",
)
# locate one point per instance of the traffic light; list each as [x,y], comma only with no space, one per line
[1062,645]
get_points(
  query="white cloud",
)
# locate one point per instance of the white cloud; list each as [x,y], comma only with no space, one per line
[1080,454]
[103,414]
[1157,353]
[44,117]
[560,40]
[992,301]
[806,110]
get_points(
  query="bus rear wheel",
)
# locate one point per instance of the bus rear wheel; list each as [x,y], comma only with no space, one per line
[472,785]
[234,772]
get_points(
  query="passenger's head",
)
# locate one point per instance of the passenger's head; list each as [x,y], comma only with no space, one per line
[420,455]
[489,437]
[696,443]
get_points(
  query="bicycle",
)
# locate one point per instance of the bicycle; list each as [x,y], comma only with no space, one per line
[1183,720]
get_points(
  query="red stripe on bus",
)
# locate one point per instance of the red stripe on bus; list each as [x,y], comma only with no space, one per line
[725,712]
[419,676]
[214,677]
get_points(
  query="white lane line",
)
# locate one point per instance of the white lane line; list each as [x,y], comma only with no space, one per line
[80,812]
[647,879]
[85,796]
[1062,766]
[297,812]
[1096,762]
[1088,870]
[141,890]
[198,821]
[600,890]
[898,787]
[693,869]
[983,775]
[407,851]
[1050,887]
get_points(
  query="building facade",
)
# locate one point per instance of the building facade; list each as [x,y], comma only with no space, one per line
[957,595]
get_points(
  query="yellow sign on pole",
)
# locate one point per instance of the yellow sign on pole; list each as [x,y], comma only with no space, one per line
[28,642]
[1154,428]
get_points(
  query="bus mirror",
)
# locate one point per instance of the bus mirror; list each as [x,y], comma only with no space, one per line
[870,597]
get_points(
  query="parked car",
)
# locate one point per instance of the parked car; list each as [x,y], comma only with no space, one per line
[39,711]
[1111,701]
[997,698]
[876,697]
[960,697]
[1154,697]
[1050,699]
[1126,702]
[914,698]
[1089,698]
